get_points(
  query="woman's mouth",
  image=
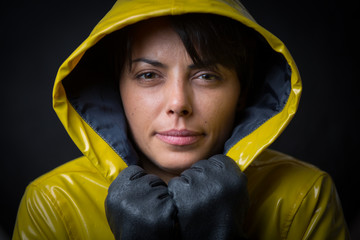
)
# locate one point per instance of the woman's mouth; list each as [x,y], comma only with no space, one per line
[179,137]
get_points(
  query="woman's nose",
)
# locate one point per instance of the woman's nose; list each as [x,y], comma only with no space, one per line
[179,101]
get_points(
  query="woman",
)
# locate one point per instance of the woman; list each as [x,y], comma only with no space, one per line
[163,99]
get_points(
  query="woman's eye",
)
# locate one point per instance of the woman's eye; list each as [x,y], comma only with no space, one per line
[209,77]
[147,75]
[148,79]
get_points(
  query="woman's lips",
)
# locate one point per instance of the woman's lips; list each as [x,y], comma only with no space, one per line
[179,137]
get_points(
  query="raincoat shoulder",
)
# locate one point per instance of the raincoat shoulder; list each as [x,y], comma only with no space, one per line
[66,203]
[291,199]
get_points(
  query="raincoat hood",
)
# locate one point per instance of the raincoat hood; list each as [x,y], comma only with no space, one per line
[89,105]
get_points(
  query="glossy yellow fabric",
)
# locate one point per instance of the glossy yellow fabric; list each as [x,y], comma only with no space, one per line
[289,199]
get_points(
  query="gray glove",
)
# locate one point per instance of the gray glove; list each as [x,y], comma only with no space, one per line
[211,198]
[138,206]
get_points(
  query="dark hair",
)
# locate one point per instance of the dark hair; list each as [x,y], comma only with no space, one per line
[208,39]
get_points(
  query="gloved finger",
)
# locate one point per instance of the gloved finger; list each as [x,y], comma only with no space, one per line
[194,173]
[224,161]
[125,176]
[224,164]
[136,173]
[202,170]
[230,171]
[149,186]
[132,172]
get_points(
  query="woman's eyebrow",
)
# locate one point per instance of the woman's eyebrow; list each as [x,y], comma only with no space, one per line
[151,62]
[208,65]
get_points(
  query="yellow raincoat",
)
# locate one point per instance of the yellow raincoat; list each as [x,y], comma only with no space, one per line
[289,199]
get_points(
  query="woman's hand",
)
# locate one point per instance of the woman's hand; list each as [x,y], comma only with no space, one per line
[138,206]
[211,198]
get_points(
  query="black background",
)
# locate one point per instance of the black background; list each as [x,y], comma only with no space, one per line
[37,36]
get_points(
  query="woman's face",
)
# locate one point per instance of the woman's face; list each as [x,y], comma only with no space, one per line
[178,113]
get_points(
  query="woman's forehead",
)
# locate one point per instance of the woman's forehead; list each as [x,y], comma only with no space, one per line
[155,38]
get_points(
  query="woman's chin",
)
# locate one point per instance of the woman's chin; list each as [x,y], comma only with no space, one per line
[170,164]
[177,165]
